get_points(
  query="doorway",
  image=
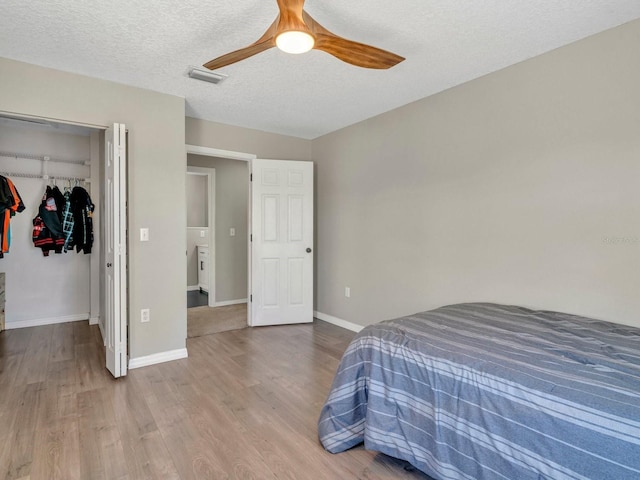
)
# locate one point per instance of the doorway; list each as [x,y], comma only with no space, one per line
[45,155]
[39,157]
[200,230]
[224,258]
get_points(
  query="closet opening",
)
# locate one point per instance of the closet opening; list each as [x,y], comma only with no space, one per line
[52,267]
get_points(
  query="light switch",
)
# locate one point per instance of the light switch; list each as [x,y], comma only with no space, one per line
[201,233]
[232,232]
[144,234]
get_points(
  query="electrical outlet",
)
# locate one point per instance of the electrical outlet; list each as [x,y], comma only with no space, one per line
[145,315]
[232,232]
[347,292]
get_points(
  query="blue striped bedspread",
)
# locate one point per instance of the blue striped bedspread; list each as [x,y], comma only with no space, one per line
[487,391]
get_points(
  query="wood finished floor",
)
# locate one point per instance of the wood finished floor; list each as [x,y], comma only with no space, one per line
[244,405]
[206,320]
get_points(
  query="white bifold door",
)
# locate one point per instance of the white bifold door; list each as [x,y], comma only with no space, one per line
[282,242]
[115,235]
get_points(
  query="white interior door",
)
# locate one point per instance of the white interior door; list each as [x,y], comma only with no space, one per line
[282,242]
[115,224]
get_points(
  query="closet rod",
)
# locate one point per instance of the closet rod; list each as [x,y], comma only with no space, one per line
[45,177]
[27,156]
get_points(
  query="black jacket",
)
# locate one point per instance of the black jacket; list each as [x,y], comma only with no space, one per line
[82,208]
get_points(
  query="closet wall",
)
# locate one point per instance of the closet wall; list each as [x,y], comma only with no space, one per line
[57,288]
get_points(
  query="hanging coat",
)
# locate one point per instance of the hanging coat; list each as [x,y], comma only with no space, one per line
[47,228]
[82,208]
[10,204]
[67,222]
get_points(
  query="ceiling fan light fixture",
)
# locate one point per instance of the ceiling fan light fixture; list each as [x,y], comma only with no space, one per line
[295,41]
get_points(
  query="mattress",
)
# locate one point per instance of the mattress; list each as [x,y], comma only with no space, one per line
[488,391]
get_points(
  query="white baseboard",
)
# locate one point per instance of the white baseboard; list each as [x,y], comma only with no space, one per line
[157,358]
[94,321]
[230,302]
[191,288]
[354,327]
[38,322]
[104,338]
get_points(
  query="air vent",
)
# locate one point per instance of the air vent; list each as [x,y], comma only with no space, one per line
[206,75]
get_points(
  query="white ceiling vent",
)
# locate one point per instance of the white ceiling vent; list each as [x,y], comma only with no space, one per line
[206,75]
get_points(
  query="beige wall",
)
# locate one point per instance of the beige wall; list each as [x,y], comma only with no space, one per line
[244,140]
[156,174]
[520,187]
[197,201]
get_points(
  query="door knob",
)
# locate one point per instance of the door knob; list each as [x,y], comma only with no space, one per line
[108,265]
[308,250]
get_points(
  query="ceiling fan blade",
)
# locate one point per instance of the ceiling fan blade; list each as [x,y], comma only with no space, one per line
[265,42]
[349,51]
[355,53]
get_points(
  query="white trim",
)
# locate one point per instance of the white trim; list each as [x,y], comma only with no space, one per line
[191,288]
[158,358]
[6,113]
[94,321]
[216,152]
[354,327]
[38,322]
[231,302]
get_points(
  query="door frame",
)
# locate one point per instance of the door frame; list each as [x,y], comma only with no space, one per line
[243,157]
[210,173]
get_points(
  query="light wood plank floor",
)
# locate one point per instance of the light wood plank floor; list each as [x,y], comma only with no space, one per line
[207,320]
[244,405]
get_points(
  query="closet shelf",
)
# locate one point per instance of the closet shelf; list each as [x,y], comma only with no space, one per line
[28,156]
[47,177]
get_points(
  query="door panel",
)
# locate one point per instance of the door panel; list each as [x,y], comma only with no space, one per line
[282,244]
[115,251]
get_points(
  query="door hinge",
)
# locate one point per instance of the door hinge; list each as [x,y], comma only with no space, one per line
[251,298]
[251,237]
[251,177]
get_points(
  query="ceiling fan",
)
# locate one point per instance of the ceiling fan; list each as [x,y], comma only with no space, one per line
[294,31]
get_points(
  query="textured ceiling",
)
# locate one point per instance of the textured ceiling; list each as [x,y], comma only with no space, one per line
[151,44]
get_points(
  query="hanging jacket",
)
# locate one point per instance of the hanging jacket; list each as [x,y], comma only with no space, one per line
[10,204]
[44,239]
[82,208]
[67,222]
[47,229]
[50,213]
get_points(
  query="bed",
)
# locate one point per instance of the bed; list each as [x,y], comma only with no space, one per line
[488,391]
